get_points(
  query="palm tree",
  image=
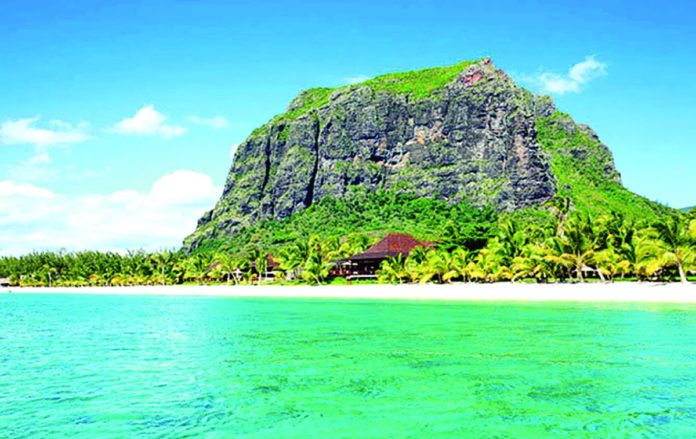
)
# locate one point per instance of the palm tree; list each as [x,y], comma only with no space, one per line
[393,270]
[95,279]
[611,263]
[413,265]
[485,266]
[575,250]
[293,257]
[161,263]
[318,264]
[50,273]
[261,264]
[437,263]
[316,269]
[418,254]
[494,267]
[225,266]
[355,243]
[532,263]
[505,248]
[251,255]
[675,243]
[195,267]
[458,265]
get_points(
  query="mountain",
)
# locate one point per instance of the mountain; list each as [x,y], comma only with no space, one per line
[462,133]
[688,209]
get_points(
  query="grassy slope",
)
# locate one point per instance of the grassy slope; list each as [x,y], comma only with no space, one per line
[585,180]
[419,84]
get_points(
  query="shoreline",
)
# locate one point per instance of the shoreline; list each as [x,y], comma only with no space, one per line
[627,292]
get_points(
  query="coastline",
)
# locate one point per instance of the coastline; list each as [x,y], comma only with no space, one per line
[504,292]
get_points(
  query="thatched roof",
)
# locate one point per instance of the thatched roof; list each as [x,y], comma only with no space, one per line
[392,245]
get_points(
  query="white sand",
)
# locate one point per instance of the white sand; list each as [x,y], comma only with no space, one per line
[617,292]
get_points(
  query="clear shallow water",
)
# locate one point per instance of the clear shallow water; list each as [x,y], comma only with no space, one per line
[120,366]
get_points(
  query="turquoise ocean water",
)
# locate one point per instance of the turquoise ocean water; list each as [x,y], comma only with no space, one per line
[137,366]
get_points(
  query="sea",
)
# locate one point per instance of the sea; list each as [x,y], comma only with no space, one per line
[173,367]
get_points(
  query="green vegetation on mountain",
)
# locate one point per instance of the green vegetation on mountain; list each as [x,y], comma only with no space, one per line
[309,100]
[418,84]
[462,134]
[372,214]
[584,170]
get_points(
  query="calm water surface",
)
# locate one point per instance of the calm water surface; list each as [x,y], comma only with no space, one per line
[120,366]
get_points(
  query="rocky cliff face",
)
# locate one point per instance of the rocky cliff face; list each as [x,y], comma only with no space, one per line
[464,132]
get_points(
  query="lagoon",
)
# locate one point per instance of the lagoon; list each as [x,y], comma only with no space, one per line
[178,366]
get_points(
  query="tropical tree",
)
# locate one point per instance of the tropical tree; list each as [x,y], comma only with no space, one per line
[532,263]
[196,267]
[509,243]
[292,257]
[162,264]
[611,263]
[255,262]
[393,270]
[437,264]
[674,244]
[225,266]
[354,243]
[261,265]
[458,267]
[575,249]
[318,264]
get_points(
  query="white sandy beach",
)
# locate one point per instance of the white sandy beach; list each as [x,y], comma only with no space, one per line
[594,292]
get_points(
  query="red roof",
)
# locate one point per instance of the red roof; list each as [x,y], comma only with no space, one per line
[393,244]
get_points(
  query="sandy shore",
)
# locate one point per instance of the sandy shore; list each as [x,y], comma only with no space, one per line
[617,292]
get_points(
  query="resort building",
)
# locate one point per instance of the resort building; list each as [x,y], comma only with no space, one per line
[366,264]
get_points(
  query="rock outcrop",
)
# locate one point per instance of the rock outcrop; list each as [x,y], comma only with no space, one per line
[465,132]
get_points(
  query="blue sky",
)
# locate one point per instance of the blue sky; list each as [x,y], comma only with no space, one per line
[118,117]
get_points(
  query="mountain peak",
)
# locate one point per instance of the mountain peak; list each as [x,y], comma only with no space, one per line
[461,133]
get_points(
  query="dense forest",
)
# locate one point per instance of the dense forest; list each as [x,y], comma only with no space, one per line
[554,243]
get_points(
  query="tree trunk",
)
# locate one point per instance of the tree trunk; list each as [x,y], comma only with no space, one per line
[601,275]
[682,274]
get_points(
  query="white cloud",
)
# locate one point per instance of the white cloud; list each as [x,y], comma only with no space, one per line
[182,188]
[148,122]
[572,82]
[32,217]
[217,122]
[11,189]
[357,79]
[24,131]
